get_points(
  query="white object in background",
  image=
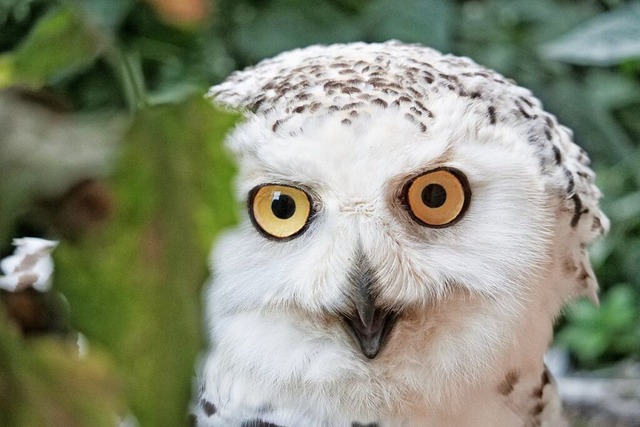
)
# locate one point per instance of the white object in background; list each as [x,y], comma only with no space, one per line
[30,265]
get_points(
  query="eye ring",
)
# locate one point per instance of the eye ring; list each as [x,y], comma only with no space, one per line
[279,211]
[437,198]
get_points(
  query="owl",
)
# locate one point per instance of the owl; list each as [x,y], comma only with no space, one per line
[414,223]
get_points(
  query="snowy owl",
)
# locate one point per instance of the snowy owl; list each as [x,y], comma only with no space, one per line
[414,223]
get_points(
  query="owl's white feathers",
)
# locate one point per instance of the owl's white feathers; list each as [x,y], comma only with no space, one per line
[476,300]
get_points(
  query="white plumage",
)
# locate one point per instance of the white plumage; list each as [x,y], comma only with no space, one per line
[414,224]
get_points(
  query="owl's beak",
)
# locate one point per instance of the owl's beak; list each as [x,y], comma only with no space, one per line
[369,325]
[371,330]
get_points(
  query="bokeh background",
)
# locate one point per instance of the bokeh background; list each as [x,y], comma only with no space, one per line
[107,145]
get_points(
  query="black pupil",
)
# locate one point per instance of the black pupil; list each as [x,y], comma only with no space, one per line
[434,195]
[283,206]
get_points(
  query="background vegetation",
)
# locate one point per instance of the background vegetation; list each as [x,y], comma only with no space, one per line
[107,145]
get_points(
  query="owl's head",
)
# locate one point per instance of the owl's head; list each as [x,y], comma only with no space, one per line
[403,199]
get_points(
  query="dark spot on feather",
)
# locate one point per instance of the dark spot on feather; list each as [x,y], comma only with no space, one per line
[583,276]
[578,212]
[357,424]
[258,423]
[423,127]
[526,101]
[509,382]
[556,153]
[299,109]
[334,108]
[381,102]
[597,225]
[346,122]
[522,111]
[208,407]
[276,124]
[537,409]
[353,105]
[492,114]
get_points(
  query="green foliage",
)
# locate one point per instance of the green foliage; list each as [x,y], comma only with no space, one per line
[610,331]
[607,39]
[44,383]
[142,275]
[58,45]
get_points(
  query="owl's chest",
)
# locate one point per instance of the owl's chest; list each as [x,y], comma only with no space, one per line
[287,373]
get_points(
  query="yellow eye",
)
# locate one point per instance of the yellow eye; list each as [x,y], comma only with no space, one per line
[438,198]
[279,211]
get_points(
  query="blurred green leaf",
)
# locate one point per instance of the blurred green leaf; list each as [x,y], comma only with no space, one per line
[43,382]
[607,39]
[611,330]
[135,287]
[58,45]
[414,21]
[298,24]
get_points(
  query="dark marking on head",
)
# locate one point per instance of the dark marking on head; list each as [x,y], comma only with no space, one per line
[208,407]
[526,101]
[346,122]
[522,111]
[492,114]
[315,107]
[557,154]
[380,102]
[569,266]
[428,77]
[583,276]
[332,84]
[350,89]
[578,212]
[352,105]
[353,114]
[258,423]
[510,380]
[597,225]
[537,409]
[545,379]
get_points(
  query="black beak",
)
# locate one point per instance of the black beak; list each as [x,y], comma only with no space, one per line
[369,325]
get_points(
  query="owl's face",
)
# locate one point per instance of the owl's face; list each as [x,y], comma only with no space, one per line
[437,234]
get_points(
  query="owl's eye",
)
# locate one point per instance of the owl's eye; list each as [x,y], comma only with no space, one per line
[437,198]
[279,211]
